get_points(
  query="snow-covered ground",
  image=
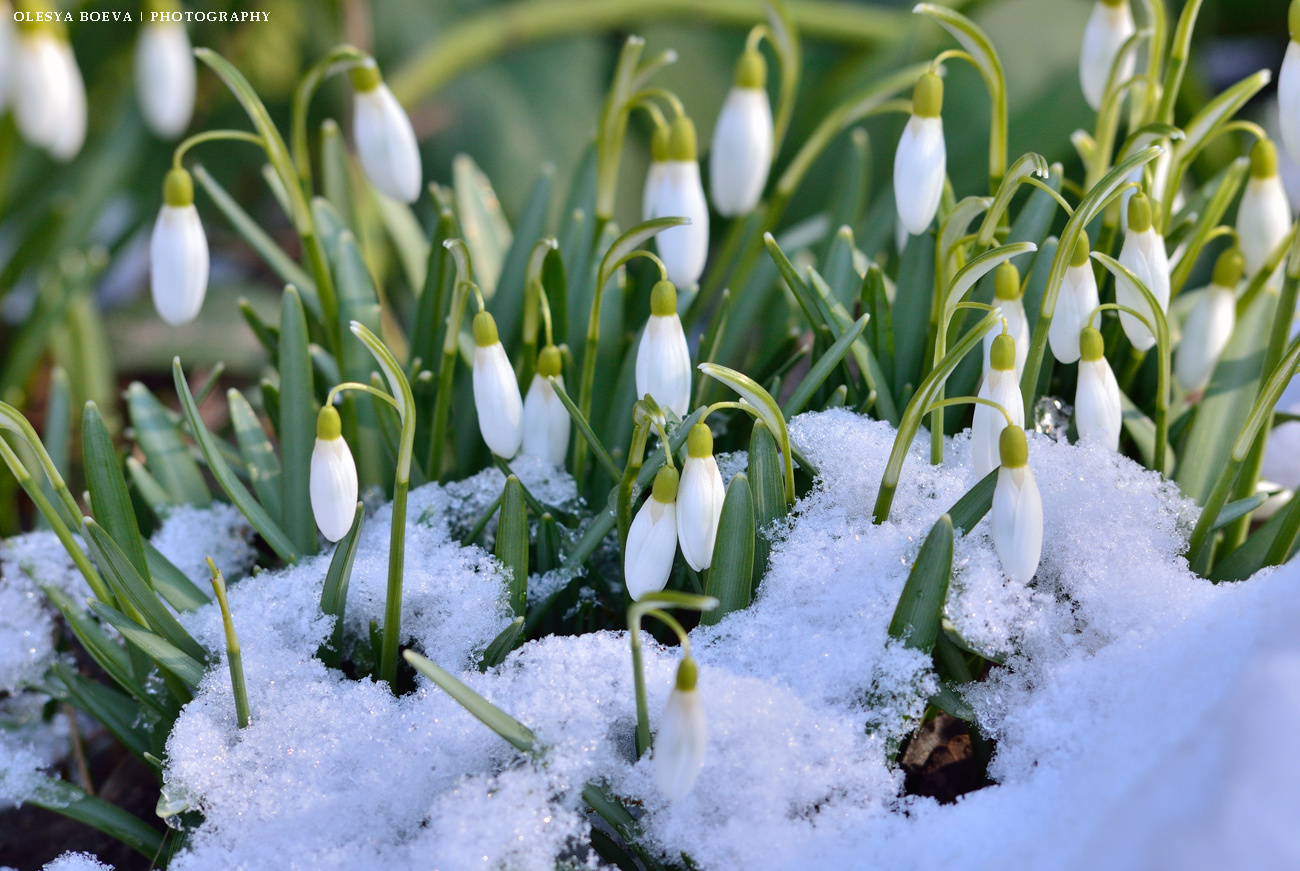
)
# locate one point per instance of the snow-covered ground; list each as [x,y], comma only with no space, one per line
[1142,717]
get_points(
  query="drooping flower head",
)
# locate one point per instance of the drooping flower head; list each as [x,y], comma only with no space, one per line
[333,481]
[164,72]
[652,538]
[1008,299]
[921,159]
[1288,86]
[178,253]
[385,140]
[655,173]
[49,93]
[1209,324]
[679,746]
[1264,215]
[546,420]
[1108,28]
[496,392]
[1001,386]
[741,154]
[1017,513]
[1098,414]
[680,193]
[1144,255]
[1074,304]
[663,359]
[699,499]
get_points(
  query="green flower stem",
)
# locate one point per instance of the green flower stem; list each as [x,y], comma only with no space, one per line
[971,400]
[83,563]
[233,654]
[1261,413]
[479,38]
[653,604]
[401,390]
[627,483]
[442,404]
[214,136]
[367,388]
[340,59]
[1098,197]
[14,421]
[535,305]
[1176,68]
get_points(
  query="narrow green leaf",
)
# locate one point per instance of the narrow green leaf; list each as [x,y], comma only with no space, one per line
[486,230]
[1252,554]
[108,493]
[768,490]
[258,453]
[358,301]
[509,638]
[731,573]
[67,800]
[165,654]
[947,700]
[336,174]
[147,490]
[135,595]
[297,424]
[334,595]
[1239,508]
[267,336]
[913,300]
[840,273]
[484,711]
[507,303]
[430,308]
[512,544]
[170,582]
[242,499]
[584,428]
[919,614]
[823,368]
[880,322]
[549,544]
[766,408]
[117,711]
[407,236]
[165,453]
[971,508]
[57,435]
[1142,430]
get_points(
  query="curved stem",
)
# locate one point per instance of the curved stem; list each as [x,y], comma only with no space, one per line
[671,622]
[480,38]
[971,400]
[339,59]
[643,99]
[368,388]
[1043,186]
[211,136]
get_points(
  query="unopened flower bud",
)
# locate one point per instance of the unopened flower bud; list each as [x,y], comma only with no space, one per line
[679,745]
[1209,324]
[1017,513]
[1008,299]
[178,253]
[1264,214]
[1108,28]
[49,94]
[164,76]
[386,143]
[496,392]
[680,193]
[742,140]
[546,420]
[699,499]
[1144,255]
[1074,304]
[1001,386]
[333,482]
[663,359]
[921,158]
[1288,87]
[1098,414]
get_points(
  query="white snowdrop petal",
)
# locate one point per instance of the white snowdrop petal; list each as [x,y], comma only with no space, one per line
[919,168]
[1205,334]
[699,508]
[1144,255]
[1263,220]
[1098,413]
[178,264]
[497,401]
[545,423]
[1105,33]
[386,144]
[1288,100]
[40,90]
[742,151]
[1017,522]
[164,78]
[654,177]
[1002,387]
[1077,299]
[333,486]
[663,364]
[1013,312]
[651,546]
[70,133]
[684,248]
[679,744]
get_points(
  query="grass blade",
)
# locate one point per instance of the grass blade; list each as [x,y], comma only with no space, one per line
[165,453]
[297,424]
[509,638]
[259,455]
[512,544]
[513,731]
[971,508]
[170,583]
[70,801]
[165,654]
[919,615]
[730,578]
[107,486]
[822,368]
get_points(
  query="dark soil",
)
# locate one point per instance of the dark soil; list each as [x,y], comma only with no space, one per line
[941,761]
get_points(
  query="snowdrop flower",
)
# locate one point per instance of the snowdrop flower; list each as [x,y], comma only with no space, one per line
[1097,410]
[655,174]
[679,746]
[699,499]
[1017,509]
[496,392]
[1209,324]
[49,94]
[919,162]
[679,193]
[1108,28]
[333,477]
[546,421]
[1074,304]
[652,538]
[1001,385]
[1143,254]
[164,77]
[1264,215]
[663,360]
[386,143]
[1009,301]
[742,140]
[178,253]
[1288,87]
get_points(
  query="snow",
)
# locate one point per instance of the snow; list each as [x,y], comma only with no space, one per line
[1141,716]
[188,536]
[76,862]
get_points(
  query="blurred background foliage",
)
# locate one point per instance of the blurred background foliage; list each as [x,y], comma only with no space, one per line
[74,237]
